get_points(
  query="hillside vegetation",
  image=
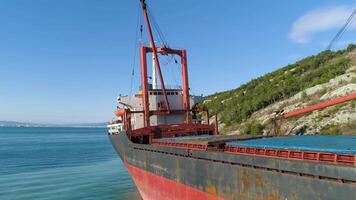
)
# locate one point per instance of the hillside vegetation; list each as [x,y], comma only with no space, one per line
[236,106]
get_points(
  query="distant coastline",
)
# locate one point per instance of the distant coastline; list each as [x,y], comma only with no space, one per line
[74,125]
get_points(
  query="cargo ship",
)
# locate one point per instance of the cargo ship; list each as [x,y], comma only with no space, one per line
[171,150]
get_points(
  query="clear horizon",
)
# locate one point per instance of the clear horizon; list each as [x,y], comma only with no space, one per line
[55,124]
[66,61]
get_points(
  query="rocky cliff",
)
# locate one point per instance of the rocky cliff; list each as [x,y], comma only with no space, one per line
[250,108]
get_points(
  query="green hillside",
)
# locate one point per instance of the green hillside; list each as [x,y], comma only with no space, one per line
[237,105]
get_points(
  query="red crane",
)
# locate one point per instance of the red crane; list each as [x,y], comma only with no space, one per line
[311,108]
[164,51]
[154,51]
[151,131]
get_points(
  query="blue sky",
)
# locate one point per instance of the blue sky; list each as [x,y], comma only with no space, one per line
[66,61]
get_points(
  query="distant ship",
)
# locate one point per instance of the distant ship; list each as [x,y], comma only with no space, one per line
[173,154]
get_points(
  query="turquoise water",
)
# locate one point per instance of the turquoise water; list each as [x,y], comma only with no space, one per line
[61,163]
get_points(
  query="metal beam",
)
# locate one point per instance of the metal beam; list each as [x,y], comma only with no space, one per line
[154,49]
[320,106]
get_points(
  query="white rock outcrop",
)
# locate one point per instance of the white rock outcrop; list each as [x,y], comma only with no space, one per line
[351,69]
[342,91]
[335,82]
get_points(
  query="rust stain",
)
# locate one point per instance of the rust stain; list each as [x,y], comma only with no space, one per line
[245,182]
[272,197]
[228,191]
[211,189]
[178,174]
[124,158]
[259,185]
[259,180]
[252,186]
[294,197]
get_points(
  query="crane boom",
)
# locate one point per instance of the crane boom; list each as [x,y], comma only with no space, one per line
[320,106]
[155,55]
[309,109]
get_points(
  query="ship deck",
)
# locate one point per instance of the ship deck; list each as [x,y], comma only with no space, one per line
[332,144]
[208,139]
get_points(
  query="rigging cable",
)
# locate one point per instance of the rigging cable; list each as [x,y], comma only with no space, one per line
[171,70]
[135,51]
[342,30]
[156,28]
[176,71]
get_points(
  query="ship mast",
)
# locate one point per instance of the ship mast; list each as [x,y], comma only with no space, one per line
[178,118]
[155,55]
[154,73]
[163,107]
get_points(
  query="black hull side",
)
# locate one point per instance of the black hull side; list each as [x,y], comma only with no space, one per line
[240,177]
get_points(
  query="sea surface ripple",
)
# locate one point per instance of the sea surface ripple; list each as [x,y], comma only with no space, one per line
[61,163]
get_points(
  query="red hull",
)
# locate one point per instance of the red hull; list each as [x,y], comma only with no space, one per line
[153,187]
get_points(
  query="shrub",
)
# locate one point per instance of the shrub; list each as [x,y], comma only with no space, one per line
[353,80]
[304,95]
[351,47]
[276,86]
[330,130]
[253,128]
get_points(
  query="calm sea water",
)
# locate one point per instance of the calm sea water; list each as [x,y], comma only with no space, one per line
[61,163]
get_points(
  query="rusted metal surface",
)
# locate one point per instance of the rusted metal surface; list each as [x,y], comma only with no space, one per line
[151,187]
[210,139]
[172,130]
[307,156]
[235,176]
[212,170]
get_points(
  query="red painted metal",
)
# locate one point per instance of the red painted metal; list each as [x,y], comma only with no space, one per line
[144,82]
[154,49]
[163,130]
[323,157]
[164,51]
[153,187]
[319,106]
[216,124]
[340,159]
[201,147]
[186,97]
[127,120]
[172,130]
[206,117]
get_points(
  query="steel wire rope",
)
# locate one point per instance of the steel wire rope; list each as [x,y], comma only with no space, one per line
[343,29]
[135,51]
[156,28]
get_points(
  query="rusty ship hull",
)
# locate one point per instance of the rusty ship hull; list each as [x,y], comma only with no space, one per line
[163,172]
[172,151]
